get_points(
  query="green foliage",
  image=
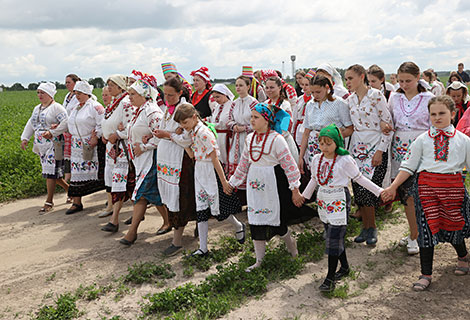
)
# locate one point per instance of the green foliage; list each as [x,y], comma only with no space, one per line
[147,271]
[65,308]
[91,292]
[20,176]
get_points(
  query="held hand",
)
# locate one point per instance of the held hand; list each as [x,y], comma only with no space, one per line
[228,189]
[161,134]
[103,139]
[93,141]
[385,127]
[47,135]
[93,134]
[377,159]
[54,125]
[121,126]
[179,130]
[301,166]
[388,194]
[137,150]
[113,138]
[297,198]
[146,138]
[24,143]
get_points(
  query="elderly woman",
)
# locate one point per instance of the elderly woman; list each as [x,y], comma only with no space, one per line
[85,127]
[202,92]
[147,118]
[119,177]
[47,123]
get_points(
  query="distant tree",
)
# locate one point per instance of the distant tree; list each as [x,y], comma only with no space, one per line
[16,87]
[33,86]
[59,85]
[97,82]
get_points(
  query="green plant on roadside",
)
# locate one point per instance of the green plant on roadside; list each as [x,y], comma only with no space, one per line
[147,272]
[65,308]
[92,292]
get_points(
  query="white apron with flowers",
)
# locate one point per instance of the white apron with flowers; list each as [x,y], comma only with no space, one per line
[332,205]
[400,145]
[313,147]
[205,187]
[45,149]
[363,146]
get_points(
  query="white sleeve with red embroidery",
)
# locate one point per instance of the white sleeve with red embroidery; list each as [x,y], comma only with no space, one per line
[287,162]
[351,168]
[154,119]
[183,140]
[242,169]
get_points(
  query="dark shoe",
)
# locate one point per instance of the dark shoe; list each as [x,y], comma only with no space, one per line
[127,242]
[199,253]
[327,286]
[362,236]
[163,231]
[242,240]
[172,250]
[129,221]
[372,237]
[342,273]
[74,209]
[110,227]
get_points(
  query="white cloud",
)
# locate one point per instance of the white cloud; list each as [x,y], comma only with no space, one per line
[48,39]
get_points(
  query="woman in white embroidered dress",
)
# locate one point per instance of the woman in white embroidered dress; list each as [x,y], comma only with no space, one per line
[239,123]
[47,123]
[368,145]
[70,102]
[324,109]
[298,114]
[119,175]
[174,166]
[272,179]
[146,119]
[85,127]
[409,109]
[220,117]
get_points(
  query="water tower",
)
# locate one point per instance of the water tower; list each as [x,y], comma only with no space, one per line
[292,58]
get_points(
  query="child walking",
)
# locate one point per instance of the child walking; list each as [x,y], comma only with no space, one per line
[331,170]
[272,180]
[442,206]
[209,179]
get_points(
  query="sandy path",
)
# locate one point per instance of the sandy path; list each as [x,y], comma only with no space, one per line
[41,256]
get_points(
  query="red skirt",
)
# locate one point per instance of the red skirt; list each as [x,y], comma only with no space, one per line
[442,198]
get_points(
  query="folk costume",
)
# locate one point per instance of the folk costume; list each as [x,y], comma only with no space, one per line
[461,107]
[70,103]
[367,139]
[50,151]
[333,198]
[169,67]
[442,205]
[175,171]
[202,101]
[220,118]
[146,119]
[87,163]
[119,175]
[256,89]
[210,197]
[240,114]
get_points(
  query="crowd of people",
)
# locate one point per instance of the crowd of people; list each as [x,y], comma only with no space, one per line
[197,153]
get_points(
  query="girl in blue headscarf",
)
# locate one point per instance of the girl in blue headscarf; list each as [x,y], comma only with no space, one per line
[272,180]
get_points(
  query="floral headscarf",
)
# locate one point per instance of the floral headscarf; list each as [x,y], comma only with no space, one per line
[278,119]
[144,89]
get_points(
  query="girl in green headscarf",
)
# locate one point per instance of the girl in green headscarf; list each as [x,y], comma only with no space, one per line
[331,170]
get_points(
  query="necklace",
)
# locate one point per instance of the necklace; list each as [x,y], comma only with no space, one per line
[406,112]
[109,110]
[330,171]
[262,146]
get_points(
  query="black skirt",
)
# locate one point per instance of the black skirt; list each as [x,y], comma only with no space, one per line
[362,196]
[290,213]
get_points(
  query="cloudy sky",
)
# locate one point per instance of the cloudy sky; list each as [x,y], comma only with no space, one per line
[45,40]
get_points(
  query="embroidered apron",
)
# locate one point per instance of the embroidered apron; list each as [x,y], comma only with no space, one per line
[169,162]
[313,147]
[45,149]
[117,167]
[82,170]
[363,146]
[400,145]
[262,196]
[205,187]
[236,150]
[332,205]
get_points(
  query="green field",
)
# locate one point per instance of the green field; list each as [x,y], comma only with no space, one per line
[20,171]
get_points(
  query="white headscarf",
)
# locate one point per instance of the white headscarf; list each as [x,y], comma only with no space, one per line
[120,80]
[84,87]
[49,88]
[338,86]
[145,89]
[222,88]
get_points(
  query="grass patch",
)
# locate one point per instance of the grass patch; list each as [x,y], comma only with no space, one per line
[65,308]
[143,272]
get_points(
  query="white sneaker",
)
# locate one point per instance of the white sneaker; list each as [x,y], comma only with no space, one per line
[404,241]
[412,246]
